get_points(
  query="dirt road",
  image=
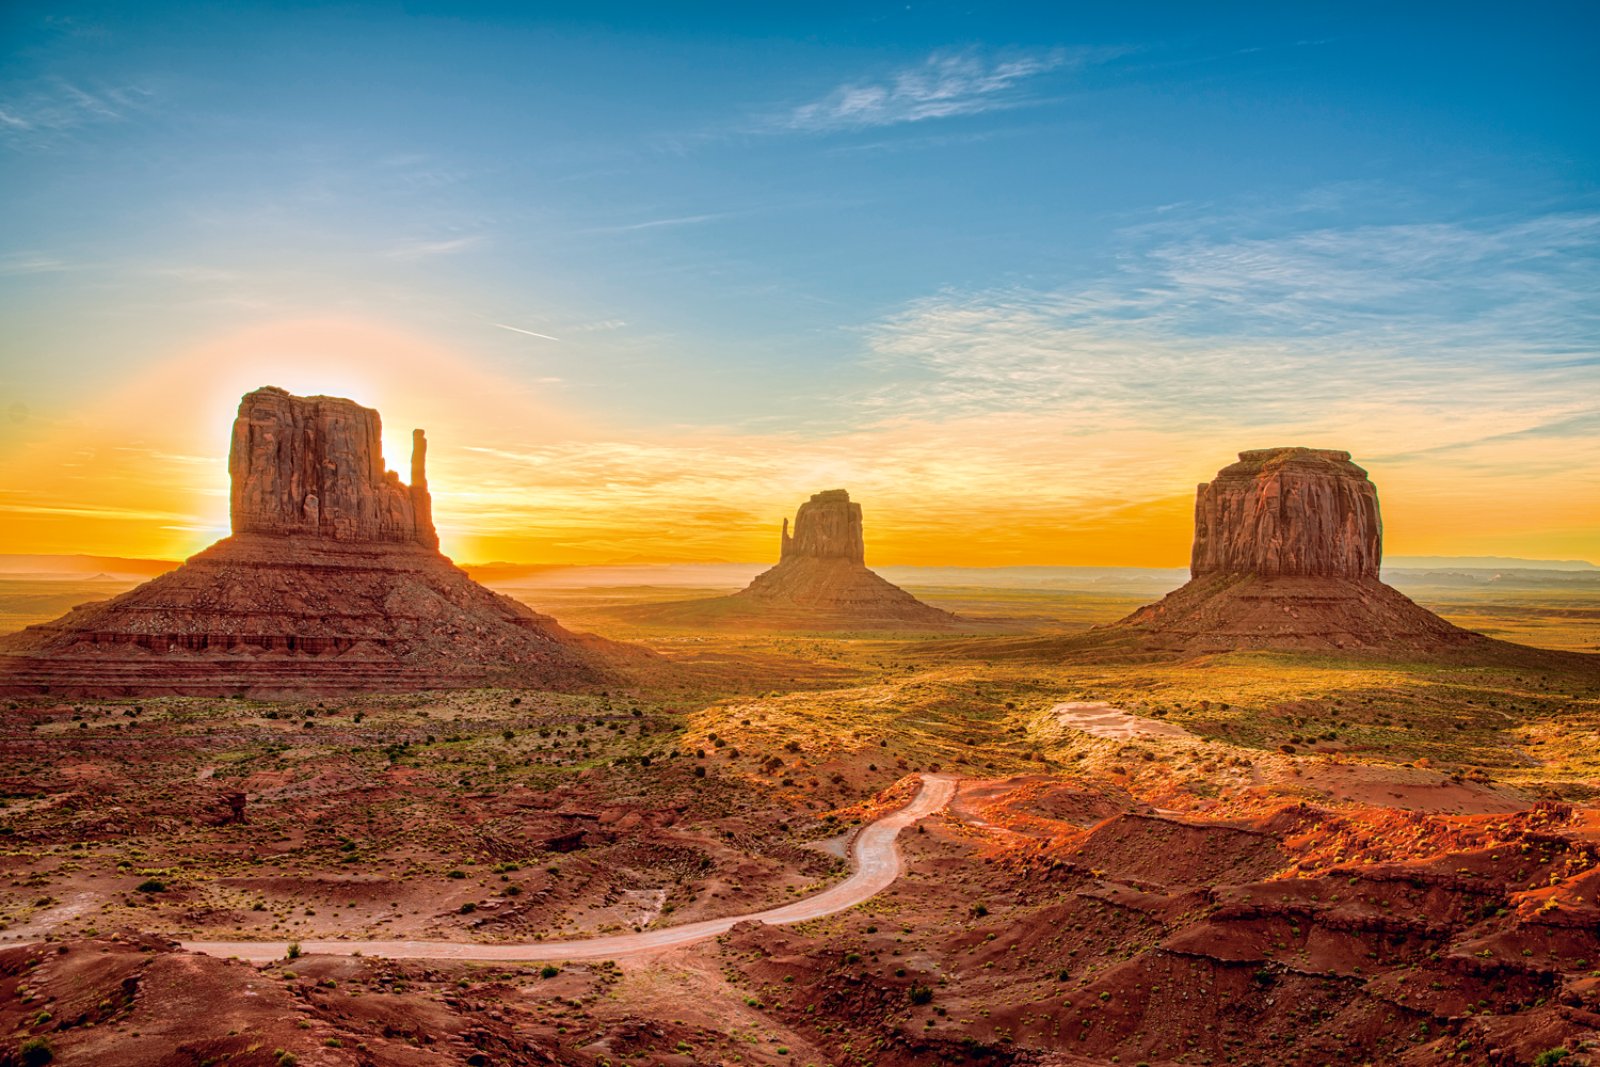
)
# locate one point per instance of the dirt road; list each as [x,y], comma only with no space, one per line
[875,855]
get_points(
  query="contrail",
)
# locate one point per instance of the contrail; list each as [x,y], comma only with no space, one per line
[530,333]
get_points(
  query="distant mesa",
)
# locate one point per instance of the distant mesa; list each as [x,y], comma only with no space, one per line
[821,581]
[1287,548]
[822,568]
[332,580]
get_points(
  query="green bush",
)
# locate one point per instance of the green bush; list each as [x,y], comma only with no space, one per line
[151,885]
[35,1052]
[921,994]
[294,950]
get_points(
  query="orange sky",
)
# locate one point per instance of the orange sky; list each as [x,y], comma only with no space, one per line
[520,473]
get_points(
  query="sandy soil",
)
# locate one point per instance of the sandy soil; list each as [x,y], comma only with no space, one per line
[1100,719]
[876,860]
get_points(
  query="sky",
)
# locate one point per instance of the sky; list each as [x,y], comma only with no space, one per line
[1018,277]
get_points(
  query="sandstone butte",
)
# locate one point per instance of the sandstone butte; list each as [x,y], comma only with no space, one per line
[1287,548]
[821,582]
[331,581]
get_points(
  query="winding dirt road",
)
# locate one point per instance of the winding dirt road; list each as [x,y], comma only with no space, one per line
[875,856]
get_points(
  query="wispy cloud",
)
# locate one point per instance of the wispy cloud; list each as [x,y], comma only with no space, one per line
[530,333]
[411,251]
[1401,339]
[17,264]
[670,221]
[944,85]
[52,108]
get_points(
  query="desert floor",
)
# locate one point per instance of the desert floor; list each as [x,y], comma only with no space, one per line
[1247,858]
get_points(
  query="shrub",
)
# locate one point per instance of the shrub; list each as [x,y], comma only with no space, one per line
[294,950]
[921,994]
[1550,1057]
[151,885]
[35,1052]
[549,970]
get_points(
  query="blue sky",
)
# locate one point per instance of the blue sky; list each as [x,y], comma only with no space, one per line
[1134,238]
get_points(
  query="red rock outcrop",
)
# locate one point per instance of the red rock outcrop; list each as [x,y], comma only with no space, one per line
[314,465]
[331,581]
[1288,511]
[822,575]
[1287,546]
[821,582]
[828,526]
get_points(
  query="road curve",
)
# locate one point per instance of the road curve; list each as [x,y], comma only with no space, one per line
[874,854]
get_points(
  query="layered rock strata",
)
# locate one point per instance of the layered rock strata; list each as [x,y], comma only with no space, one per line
[331,581]
[1306,512]
[822,576]
[1287,546]
[821,582]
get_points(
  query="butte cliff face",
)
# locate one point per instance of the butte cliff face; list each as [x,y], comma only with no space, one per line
[828,526]
[821,582]
[1305,512]
[332,580]
[1287,546]
[822,578]
[314,465]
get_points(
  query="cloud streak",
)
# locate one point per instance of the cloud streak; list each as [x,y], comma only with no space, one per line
[55,107]
[1493,318]
[664,223]
[943,86]
[530,333]
[412,251]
